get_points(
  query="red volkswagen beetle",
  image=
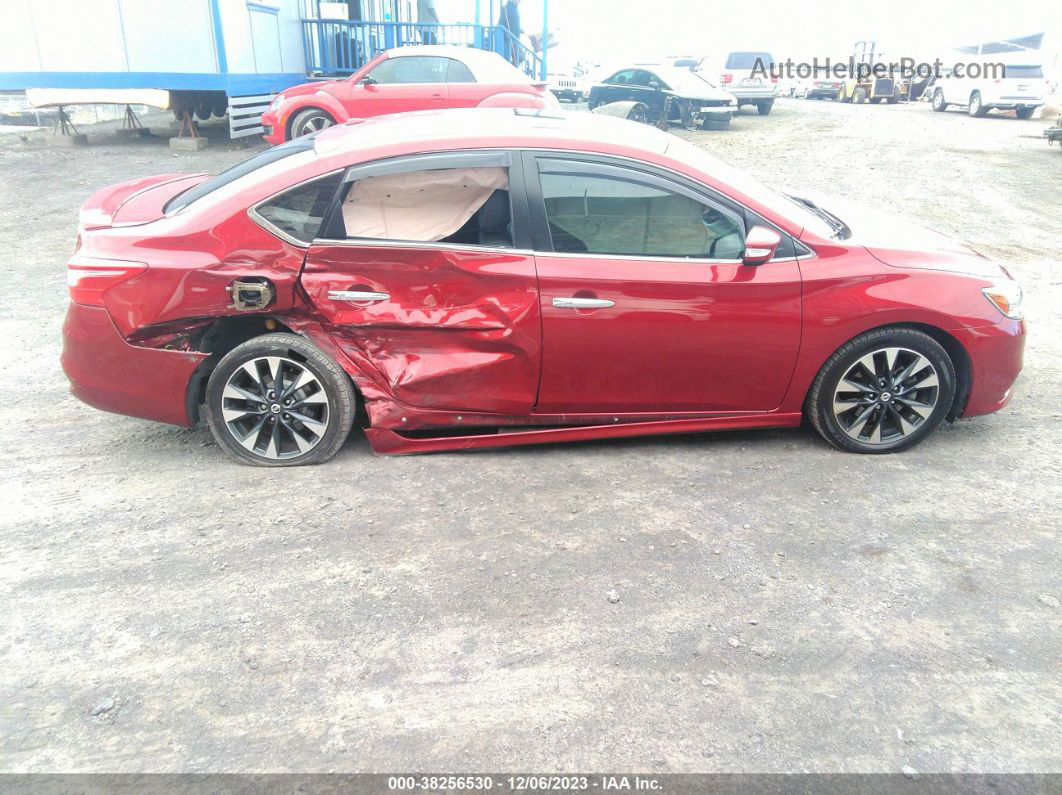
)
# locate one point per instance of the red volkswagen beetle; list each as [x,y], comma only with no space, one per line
[482,278]
[405,79]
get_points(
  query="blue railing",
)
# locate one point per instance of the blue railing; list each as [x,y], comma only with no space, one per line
[340,46]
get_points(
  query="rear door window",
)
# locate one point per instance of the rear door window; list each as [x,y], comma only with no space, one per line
[468,206]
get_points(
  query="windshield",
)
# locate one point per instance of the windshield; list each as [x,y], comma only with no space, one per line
[777,202]
[182,200]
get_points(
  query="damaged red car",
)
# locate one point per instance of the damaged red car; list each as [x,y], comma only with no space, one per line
[478,278]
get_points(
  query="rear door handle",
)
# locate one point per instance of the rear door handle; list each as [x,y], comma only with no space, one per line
[583,303]
[356,295]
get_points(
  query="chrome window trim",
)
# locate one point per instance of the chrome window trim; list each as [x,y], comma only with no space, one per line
[372,242]
[639,257]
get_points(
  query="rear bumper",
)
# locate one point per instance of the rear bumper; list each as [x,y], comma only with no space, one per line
[108,373]
[1011,104]
[745,95]
[996,354]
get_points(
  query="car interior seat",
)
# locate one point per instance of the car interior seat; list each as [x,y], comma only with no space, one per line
[495,220]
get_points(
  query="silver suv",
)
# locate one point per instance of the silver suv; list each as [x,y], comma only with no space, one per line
[742,75]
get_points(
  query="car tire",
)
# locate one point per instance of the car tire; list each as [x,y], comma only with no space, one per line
[939,105]
[305,421]
[875,100]
[976,109]
[715,124]
[860,96]
[309,121]
[765,107]
[1025,113]
[894,100]
[858,403]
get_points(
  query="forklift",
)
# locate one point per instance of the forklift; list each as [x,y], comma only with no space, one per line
[860,88]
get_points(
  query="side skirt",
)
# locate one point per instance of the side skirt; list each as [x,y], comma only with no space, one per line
[387,442]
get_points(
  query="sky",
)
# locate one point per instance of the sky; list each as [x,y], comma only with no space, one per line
[636,30]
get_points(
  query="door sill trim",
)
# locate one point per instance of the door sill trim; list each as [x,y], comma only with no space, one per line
[388,442]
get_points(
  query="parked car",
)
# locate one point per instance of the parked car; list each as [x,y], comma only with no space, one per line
[1021,89]
[400,80]
[742,77]
[692,98]
[459,272]
[817,88]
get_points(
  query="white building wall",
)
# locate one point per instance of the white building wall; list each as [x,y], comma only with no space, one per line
[169,36]
[164,36]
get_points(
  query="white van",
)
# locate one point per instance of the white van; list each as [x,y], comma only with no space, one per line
[1021,89]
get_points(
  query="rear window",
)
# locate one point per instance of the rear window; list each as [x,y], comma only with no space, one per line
[747,60]
[182,200]
[1023,72]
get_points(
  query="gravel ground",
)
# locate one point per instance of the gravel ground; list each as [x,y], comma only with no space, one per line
[727,602]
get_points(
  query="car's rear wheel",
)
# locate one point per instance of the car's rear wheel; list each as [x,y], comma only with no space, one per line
[278,400]
[765,107]
[939,105]
[882,392]
[309,121]
[1024,113]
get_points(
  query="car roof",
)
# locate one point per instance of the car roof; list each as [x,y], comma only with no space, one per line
[486,66]
[458,128]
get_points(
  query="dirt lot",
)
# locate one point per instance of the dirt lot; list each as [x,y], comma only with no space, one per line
[782,607]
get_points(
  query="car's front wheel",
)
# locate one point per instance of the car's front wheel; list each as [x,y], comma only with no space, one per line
[939,105]
[882,392]
[310,121]
[278,400]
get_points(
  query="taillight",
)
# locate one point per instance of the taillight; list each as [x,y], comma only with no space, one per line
[88,279]
[727,78]
[774,77]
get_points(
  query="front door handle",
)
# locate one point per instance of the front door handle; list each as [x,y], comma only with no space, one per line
[356,295]
[583,303]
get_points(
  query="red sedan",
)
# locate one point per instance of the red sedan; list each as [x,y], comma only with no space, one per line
[496,277]
[405,79]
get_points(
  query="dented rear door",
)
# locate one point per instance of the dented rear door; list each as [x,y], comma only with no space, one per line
[442,328]
[437,325]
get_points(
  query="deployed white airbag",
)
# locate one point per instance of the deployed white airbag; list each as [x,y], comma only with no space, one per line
[421,205]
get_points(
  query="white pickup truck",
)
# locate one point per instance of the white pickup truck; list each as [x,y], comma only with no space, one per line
[1021,89]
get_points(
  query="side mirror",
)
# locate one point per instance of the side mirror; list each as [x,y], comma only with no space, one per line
[367,81]
[760,245]
[653,84]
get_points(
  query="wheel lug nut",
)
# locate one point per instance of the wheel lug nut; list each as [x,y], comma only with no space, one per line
[287,416]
